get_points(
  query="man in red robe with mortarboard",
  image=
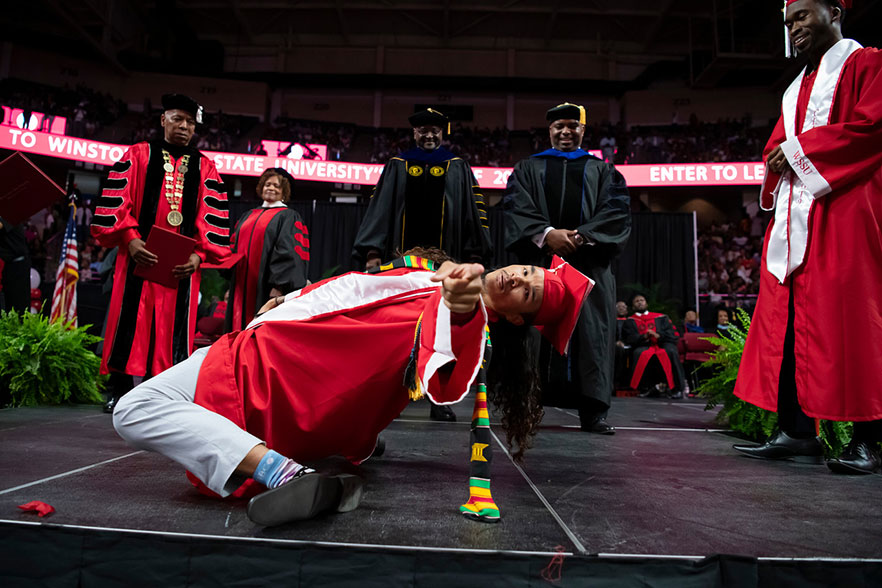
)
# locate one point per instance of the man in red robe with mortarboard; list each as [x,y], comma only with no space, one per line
[168,184]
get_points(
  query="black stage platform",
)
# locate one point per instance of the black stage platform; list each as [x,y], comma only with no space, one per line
[664,502]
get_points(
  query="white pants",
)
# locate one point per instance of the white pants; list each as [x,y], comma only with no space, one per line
[160,415]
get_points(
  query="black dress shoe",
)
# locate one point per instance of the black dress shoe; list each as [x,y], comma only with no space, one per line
[784,447]
[599,426]
[860,457]
[675,394]
[108,406]
[441,413]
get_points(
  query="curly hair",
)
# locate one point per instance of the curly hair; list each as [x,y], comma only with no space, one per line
[513,384]
[284,184]
[430,253]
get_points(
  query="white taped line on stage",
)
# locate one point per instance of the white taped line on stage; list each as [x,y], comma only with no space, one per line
[572,536]
[761,558]
[689,430]
[416,548]
[618,428]
[70,473]
[60,421]
[288,541]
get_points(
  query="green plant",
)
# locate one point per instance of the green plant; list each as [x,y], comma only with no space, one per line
[330,272]
[747,419]
[44,362]
[742,417]
[212,283]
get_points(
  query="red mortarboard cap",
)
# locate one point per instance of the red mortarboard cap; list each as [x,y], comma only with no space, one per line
[564,291]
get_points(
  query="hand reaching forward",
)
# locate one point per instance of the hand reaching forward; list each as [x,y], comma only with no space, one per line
[460,285]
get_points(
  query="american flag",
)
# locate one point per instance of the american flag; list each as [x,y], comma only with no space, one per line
[64,300]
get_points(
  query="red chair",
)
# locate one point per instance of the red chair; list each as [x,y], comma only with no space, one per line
[698,351]
[208,330]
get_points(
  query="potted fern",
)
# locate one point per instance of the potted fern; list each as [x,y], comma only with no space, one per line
[744,418]
[43,362]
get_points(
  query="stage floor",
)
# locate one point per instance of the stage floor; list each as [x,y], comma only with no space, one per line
[667,484]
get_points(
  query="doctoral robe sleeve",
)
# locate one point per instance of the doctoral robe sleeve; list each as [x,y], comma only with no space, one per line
[844,152]
[610,225]
[376,227]
[630,335]
[114,223]
[450,350]
[524,217]
[213,217]
[666,332]
[478,246]
[289,258]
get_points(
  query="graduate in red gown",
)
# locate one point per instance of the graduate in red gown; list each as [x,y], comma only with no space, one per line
[323,370]
[275,244]
[168,184]
[823,251]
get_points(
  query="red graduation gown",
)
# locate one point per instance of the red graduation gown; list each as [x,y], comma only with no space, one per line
[141,311]
[838,374]
[643,353]
[323,374]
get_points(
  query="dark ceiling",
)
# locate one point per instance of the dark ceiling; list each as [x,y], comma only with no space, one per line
[704,43]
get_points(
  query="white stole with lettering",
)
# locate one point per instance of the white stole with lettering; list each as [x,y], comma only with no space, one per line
[799,186]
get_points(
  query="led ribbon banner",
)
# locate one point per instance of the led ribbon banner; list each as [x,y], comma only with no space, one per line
[241,164]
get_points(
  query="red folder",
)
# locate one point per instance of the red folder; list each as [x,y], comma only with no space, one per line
[24,189]
[172,249]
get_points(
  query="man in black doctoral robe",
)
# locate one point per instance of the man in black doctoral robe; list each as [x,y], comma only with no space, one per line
[426,197]
[566,201]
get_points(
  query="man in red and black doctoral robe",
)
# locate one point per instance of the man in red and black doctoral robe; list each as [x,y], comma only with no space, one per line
[651,335]
[166,184]
[823,251]
[275,244]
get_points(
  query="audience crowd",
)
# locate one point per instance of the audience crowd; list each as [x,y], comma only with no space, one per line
[87,111]
[337,136]
[729,257]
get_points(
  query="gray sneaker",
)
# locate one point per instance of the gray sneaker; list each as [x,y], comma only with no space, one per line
[304,497]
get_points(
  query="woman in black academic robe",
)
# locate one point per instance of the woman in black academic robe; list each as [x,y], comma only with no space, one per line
[275,245]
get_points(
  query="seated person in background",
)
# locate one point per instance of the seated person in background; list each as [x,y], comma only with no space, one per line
[322,371]
[652,336]
[623,352]
[723,322]
[690,322]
